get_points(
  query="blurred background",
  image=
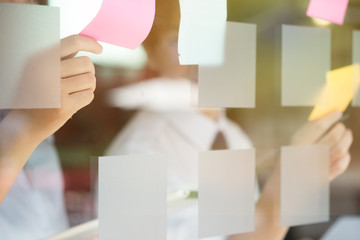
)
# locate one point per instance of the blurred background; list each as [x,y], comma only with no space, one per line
[269,125]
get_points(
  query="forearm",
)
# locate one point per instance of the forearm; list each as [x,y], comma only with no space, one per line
[17,142]
[325,131]
[23,130]
[267,213]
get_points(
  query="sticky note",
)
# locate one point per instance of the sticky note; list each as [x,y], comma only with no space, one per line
[30,53]
[94,189]
[356,46]
[132,197]
[347,227]
[304,184]
[356,60]
[231,84]
[341,86]
[226,192]
[202,31]
[305,60]
[330,10]
[73,18]
[121,22]
[188,39]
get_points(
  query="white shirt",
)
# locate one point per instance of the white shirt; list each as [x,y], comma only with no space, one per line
[180,135]
[34,208]
[159,94]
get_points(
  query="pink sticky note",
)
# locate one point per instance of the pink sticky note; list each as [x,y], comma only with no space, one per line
[125,23]
[330,10]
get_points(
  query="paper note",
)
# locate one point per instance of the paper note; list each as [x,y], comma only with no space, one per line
[341,86]
[30,53]
[132,197]
[305,61]
[202,32]
[304,185]
[73,18]
[121,22]
[94,187]
[231,84]
[226,192]
[356,47]
[356,60]
[330,10]
[344,228]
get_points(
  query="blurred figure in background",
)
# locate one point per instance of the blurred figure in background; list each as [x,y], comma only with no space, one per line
[31,184]
[167,124]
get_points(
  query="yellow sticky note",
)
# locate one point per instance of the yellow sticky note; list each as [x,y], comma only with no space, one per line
[341,86]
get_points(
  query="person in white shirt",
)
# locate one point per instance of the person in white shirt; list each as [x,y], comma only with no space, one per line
[31,185]
[180,135]
[181,132]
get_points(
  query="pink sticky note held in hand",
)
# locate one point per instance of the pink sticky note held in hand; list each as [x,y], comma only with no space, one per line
[125,23]
[330,10]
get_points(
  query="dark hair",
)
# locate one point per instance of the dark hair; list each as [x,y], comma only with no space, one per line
[42,2]
[167,17]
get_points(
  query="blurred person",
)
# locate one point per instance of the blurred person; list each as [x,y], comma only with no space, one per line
[31,184]
[168,125]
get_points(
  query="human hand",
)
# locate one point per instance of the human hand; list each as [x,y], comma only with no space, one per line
[328,131]
[78,84]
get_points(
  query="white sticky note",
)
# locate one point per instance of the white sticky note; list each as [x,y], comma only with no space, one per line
[347,227]
[202,32]
[356,47]
[356,60]
[305,61]
[232,84]
[30,54]
[132,197]
[304,185]
[73,18]
[226,192]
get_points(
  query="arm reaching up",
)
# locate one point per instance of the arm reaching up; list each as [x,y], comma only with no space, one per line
[23,130]
[327,130]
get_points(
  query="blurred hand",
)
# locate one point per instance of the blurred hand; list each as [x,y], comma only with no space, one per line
[78,84]
[328,131]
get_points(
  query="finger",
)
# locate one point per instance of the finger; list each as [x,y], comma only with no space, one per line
[75,43]
[322,125]
[81,99]
[339,166]
[76,66]
[332,137]
[314,130]
[79,83]
[343,145]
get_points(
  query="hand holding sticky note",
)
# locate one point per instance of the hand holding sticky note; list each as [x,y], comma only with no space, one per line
[341,86]
[330,10]
[125,23]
